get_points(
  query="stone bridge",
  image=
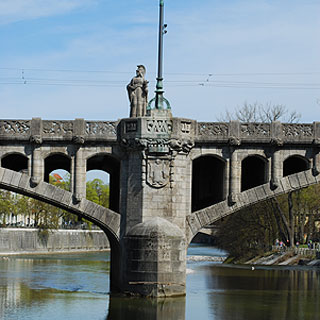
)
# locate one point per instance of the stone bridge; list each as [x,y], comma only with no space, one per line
[169,177]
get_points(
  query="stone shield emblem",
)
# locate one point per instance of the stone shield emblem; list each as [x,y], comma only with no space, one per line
[158,172]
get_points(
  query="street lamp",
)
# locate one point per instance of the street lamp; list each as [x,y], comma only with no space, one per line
[159,98]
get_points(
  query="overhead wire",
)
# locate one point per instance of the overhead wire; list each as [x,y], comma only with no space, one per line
[208,79]
[168,73]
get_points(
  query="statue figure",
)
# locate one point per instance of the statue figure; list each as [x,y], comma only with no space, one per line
[138,93]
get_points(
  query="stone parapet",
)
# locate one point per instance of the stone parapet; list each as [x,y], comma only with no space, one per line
[278,133]
[38,130]
[232,132]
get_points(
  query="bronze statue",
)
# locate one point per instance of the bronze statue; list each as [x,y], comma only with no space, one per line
[138,93]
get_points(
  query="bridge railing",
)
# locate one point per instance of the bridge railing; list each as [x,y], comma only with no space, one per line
[39,130]
[274,132]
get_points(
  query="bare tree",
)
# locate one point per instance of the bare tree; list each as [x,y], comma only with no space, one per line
[257,112]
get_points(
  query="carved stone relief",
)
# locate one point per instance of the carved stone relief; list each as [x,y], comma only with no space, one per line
[213,129]
[36,139]
[131,126]
[234,141]
[292,130]
[101,128]
[182,146]
[255,130]
[15,127]
[185,126]
[57,127]
[164,145]
[158,172]
[78,139]
[276,142]
[159,126]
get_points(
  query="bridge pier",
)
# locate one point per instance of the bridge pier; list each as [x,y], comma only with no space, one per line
[154,256]
[155,199]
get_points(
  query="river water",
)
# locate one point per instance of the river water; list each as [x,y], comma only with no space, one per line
[75,286]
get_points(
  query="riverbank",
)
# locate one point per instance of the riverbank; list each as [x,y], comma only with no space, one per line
[30,241]
[289,257]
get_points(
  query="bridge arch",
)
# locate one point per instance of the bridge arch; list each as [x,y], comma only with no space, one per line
[208,181]
[253,164]
[106,219]
[108,163]
[209,215]
[294,164]
[55,161]
[15,161]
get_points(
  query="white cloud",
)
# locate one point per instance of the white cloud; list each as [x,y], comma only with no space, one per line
[18,10]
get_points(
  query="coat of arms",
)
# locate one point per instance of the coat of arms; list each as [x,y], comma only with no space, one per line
[158,172]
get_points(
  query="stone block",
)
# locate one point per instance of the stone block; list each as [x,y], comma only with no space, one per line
[203,217]
[67,199]
[317,178]
[242,200]
[16,176]
[285,184]
[260,193]
[24,182]
[178,267]
[302,179]
[164,266]
[90,208]
[311,179]
[49,191]
[214,213]
[294,181]
[252,195]
[2,171]
[100,215]
[6,179]
[58,195]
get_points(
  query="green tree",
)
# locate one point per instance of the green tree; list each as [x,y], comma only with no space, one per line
[98,192]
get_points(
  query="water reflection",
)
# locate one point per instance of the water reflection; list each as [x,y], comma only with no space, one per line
[54,286]
[138,308]
[76,287]
[272,293]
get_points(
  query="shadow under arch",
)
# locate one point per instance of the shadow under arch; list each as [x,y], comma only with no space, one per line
[55,161]
[201,218]
[253,164]
[104,218]
[294,164]
[110,164]
[15,161]
[208,181]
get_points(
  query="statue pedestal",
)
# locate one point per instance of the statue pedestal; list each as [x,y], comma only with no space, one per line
[155,200]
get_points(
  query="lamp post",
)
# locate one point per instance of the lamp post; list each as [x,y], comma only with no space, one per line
[159,98]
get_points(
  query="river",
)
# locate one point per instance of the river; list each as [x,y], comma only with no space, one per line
[75,286]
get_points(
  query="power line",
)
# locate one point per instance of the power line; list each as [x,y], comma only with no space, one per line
[210,74]
[197,81]
[209,81]
[119,85]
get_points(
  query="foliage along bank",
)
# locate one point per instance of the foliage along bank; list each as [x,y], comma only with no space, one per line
[292,219]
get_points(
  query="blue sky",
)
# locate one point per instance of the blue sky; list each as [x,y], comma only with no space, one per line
[249,51]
